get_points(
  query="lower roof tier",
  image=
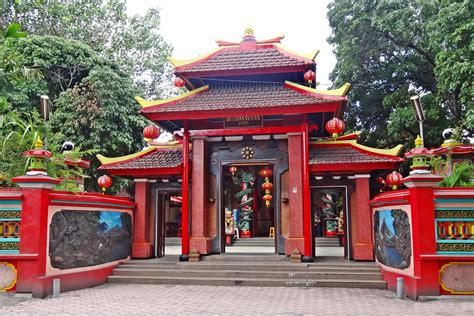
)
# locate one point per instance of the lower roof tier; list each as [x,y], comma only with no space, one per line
[327,156]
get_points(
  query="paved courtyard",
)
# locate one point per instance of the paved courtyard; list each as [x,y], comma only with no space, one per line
[117,299]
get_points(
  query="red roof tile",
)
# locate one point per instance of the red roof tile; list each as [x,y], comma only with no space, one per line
[345,155]
[159,158]
[244,60]
[242,97]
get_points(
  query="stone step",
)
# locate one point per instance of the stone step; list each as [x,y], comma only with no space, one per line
[249,274]
[246,257]
[347,283]
[252,267]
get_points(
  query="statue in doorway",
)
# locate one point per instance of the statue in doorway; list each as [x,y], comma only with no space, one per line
[229,222]
[246,180]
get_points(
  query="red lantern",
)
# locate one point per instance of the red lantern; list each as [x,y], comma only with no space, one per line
[233,170]
[266,172]
[104,182]
[394,178]
[178,82]
[309,76]
[151,132]
[267,186]
[267,198]
[335,126]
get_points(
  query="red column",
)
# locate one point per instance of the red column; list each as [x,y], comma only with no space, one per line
[295,187]
[141,246]
[185,193]
[361,225]
[308,253]
[34,238]
[425,279]
[199,215]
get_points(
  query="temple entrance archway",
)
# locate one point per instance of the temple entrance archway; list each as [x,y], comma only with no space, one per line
[249,221]
[331,234]
[167,223]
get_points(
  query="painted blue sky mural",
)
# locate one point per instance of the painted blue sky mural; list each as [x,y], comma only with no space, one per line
[112,219]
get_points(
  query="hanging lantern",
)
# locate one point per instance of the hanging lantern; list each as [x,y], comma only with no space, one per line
[267,186]
[151,132]
[104,182]
[233,170]
[178,82]
[309,77]
[394,178]
[335,126]
[266,172]
[267,198]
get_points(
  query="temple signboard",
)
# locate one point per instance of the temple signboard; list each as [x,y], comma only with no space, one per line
[243,121]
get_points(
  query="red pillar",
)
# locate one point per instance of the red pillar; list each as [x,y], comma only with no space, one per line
[141,246]
[295,187]
[34,238]
[199,215]
[361,225]
[308,253]
[185,193]
[425,279]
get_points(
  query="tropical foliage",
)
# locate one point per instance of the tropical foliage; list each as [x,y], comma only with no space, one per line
[390,50]
[89,67]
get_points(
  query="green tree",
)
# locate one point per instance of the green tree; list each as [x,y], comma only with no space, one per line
[100,114]
[390,50]
[134,43]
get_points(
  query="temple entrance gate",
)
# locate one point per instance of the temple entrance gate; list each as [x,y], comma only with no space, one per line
[330,220]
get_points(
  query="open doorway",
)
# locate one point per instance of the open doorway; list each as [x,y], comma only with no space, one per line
[168,223]
[248,212]
[330,221]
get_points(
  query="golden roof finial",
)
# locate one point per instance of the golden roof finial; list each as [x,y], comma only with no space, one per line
[249,30]
[38,143]
[418,142]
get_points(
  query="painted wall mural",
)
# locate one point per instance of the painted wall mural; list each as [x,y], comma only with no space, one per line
[88,238]
[392,238]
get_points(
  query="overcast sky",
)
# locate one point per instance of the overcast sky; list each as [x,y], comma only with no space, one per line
[192,27]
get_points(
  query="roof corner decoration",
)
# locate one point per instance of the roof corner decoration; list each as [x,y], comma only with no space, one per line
[186,62]
[147,105]
[338,94]
[108,161]
[309,57]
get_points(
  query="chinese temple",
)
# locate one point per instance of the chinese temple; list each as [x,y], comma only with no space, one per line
[259,152]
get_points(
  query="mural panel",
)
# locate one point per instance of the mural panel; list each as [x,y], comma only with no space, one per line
[87,238]
[392,238]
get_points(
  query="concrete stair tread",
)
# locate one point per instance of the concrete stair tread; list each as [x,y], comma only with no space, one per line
[242,279]
[251,271]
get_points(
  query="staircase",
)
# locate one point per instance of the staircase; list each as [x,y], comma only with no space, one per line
[326,242]
[249,270]
[254,242]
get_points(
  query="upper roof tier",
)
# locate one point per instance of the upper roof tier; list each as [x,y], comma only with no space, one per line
[268,59]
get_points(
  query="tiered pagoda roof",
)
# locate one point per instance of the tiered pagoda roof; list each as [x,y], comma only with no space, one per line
[152,161]
[345,155]
[340,155]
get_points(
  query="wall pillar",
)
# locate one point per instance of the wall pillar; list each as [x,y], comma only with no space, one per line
[426,272]
[307,223]
[185,194]
[199,211]
[141,245]
[34,238]
[295,238]
[361,220]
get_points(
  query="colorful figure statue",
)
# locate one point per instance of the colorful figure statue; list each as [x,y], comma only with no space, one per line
[246,181]
[229,222]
